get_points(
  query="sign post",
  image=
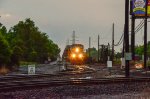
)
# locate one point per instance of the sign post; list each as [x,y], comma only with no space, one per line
[128,56]
[109,66]
[122,63]
[139,8]
[148,8]
[31,69]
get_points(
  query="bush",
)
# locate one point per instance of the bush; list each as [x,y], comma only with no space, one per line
[117,62]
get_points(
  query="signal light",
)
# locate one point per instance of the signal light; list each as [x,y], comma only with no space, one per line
[73,55]
[77,50]
[80,55]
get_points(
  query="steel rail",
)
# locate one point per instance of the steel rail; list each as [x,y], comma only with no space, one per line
[21,85]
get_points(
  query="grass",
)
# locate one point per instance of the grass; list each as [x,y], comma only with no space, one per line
[24,64]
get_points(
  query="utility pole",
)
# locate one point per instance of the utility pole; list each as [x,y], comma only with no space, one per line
[113,42]
[98,50]
[73,37]
[123,49]
[89,47]
[108,52]
[126,36]
[102,53]
[133,37]
[145,36]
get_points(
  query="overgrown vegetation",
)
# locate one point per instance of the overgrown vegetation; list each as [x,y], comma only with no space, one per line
[25,42]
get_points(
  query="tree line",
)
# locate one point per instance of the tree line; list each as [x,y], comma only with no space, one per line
[139,52]
[25,42]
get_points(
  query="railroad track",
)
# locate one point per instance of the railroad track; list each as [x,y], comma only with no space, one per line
[22,85]
[40,76]
[37,76]
[25,77]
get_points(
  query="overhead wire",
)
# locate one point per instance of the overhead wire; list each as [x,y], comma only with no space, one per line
[119,40]
[138,28]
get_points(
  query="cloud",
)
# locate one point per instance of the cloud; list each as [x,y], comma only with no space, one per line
[59,18]
[7,15]
[1,3]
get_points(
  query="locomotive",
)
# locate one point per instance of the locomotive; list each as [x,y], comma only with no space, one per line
[74,54]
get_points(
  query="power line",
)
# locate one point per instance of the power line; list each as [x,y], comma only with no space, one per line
[139,24]
[138,28]
[121,39]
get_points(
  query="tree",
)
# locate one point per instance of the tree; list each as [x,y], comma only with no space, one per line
[3,30]
[32,44]
[139,50]
[5,52]
[118,55]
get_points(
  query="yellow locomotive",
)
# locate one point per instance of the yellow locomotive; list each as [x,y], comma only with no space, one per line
[75,54]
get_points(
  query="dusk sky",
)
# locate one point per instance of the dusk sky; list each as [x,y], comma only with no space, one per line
[58,18]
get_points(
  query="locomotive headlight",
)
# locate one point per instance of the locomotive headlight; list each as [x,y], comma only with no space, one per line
[77,50]
[80,55]
[73,55]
